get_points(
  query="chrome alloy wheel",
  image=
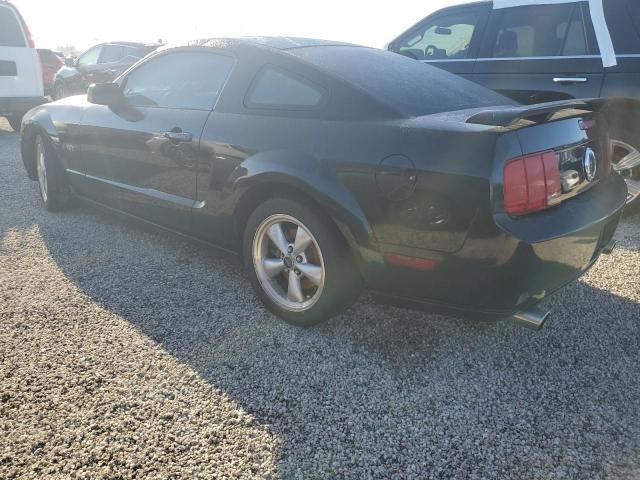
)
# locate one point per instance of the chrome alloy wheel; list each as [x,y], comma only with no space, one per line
[626,161]
[288,263]
[42,170]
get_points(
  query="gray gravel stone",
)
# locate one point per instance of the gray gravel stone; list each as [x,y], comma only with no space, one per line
[128,353]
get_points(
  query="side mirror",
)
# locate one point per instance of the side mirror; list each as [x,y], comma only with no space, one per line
[105,94]
[70,62]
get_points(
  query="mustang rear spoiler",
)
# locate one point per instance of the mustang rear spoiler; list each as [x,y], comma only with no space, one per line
[512,116]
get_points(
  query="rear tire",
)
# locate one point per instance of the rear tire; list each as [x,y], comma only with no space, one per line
[52,184]
[298,262]
[15,121]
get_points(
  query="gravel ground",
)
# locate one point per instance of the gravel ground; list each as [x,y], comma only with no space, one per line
[128,353]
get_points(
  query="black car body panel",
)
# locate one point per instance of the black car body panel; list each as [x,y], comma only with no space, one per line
[396,176]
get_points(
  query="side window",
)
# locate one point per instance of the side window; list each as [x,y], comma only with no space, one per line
[634,12]
[626,19]
[446,37]
[48,58]
[111,53]
[90,57]
[10,29]
[277,89]
[185,80]
[541,31]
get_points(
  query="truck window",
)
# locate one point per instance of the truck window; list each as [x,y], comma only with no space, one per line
[445,37]
[11,34]
[541,31]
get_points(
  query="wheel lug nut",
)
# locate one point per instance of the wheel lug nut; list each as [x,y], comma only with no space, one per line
[297,271]
[299,259]
[290,249]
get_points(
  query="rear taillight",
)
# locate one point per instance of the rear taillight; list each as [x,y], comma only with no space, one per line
[531,183]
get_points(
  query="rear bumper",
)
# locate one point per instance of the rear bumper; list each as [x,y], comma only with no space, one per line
[512,266]
[19,105]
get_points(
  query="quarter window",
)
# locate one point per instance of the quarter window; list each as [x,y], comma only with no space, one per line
[185,80]
[278,89]
[541,31]
[447,37]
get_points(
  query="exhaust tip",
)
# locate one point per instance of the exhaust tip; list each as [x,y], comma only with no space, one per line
[533,318]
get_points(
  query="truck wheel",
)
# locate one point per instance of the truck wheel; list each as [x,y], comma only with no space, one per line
[626,161]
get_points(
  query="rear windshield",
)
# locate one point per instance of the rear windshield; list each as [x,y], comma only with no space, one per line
[405,85]
[10,29]
[48,57]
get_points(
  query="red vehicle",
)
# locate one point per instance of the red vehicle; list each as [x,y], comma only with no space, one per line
[51,62]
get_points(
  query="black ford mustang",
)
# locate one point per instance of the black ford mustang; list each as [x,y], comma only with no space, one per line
[326,165]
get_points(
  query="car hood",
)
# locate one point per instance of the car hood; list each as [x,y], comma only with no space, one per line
[61,114]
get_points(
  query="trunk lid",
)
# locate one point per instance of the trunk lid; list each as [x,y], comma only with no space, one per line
[574,131]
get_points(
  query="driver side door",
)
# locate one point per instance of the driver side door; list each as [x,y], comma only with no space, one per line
[141,156]
[449,39]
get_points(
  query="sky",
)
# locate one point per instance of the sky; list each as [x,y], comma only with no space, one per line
[55,23]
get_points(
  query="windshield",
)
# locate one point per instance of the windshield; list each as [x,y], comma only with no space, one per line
[410,87]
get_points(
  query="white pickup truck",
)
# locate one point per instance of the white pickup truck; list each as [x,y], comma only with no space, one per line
[20,73]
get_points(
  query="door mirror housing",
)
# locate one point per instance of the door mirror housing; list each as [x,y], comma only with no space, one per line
[70,61]
[105,94]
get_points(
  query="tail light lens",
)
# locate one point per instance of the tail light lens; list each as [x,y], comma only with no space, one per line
[531,183]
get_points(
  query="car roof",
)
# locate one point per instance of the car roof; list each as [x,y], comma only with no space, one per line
[277,43]
[131,44]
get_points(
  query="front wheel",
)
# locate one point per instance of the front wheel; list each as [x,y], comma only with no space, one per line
[51,180]
[298,263]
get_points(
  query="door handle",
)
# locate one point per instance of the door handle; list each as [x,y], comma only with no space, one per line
[178,136]
[570,79]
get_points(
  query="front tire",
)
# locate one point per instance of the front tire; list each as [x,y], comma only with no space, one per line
[298,263]
[51,181]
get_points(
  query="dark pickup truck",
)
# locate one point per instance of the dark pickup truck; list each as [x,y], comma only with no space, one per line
[542,53]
